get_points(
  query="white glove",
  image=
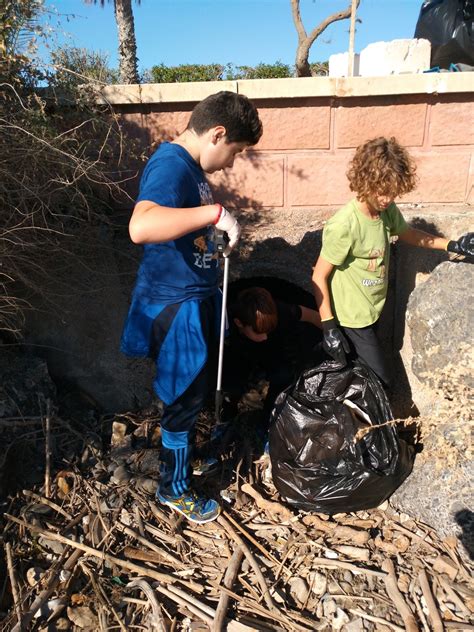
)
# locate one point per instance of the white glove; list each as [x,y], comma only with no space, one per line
[229,225]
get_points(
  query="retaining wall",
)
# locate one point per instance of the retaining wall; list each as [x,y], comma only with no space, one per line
[311,127]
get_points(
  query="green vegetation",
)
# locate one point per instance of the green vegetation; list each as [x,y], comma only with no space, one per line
[227,72]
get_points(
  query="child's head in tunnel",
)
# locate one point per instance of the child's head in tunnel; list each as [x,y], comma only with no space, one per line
[255,313]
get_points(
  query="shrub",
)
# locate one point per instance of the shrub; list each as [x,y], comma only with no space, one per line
[262,71]
[187,72]
[76,66]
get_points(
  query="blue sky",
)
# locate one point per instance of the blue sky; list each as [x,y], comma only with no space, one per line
[242,32]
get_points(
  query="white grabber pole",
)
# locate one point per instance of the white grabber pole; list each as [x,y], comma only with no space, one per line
[219,393]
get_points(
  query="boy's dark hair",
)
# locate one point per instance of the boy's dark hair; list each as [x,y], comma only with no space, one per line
[381,166]
[255,307]
[233,111]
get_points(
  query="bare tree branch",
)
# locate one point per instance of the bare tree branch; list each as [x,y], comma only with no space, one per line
[306,41]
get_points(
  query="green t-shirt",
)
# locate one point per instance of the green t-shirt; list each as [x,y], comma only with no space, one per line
[359,248]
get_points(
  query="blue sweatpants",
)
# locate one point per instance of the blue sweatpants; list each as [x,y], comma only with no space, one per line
[178,424]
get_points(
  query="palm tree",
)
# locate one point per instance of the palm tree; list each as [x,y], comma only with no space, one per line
[305,41]
[127,40]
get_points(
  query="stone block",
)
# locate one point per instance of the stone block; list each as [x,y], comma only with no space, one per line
[315,179]
[355,124]
[442,177]
[452,123]
[255,181]
[395,57]
[440,320]
[304,127]
[339,65]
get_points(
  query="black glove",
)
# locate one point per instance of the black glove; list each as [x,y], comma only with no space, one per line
[463,246]
[334,342]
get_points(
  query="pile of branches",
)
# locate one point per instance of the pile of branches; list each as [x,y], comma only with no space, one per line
[91,549]
[58,168]
[60,160]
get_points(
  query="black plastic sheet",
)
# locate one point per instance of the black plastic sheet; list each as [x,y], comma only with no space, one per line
[448,25]
[318,464]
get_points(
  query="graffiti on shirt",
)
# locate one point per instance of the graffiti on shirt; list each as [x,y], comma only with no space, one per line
[204,253]
[205,194]
[372,282]
[376,264]
[376,261]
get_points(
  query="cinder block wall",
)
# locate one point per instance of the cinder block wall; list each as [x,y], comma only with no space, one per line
[311,127]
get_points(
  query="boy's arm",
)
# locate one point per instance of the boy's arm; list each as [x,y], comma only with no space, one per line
[416,237]
[334,342]
[310,316]
[321,273]
[462,246]
[151,223]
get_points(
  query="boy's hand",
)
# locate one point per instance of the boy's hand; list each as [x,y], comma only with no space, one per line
[227,222]
[334,341]
[463,246]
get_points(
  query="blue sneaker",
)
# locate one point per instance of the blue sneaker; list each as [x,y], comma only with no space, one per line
[194,508]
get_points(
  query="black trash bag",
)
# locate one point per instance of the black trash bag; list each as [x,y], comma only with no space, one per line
[318,464]
[448,25]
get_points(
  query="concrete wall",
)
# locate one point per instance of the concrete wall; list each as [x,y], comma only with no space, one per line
[311,127]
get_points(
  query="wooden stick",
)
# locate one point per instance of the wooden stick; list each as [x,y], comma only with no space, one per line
[13,583]
[47,448]
[396,596]
[336,531]
[106,557]
[158,621]
[430,602]
[326,563]
[46,593]
[161,535]
[138,518]
[369,617]
[453,596]
[252,561]
[262,549]
[228,581]
[268,505]
[46,501]
[102,597]
[164,554]
[194,609]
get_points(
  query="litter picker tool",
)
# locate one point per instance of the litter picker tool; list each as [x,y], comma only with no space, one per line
[221,241]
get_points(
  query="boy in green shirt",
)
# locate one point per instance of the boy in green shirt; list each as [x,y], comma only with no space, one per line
[351,274]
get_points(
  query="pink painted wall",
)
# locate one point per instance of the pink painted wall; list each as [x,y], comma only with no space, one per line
[301,160]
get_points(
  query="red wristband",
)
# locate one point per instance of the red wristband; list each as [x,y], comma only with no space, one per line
[219,213]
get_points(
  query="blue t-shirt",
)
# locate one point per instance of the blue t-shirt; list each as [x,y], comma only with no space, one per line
[185,268]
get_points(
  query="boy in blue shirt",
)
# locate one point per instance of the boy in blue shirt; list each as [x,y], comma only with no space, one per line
[174,316]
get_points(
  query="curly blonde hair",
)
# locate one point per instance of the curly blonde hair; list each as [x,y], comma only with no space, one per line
[381,166]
